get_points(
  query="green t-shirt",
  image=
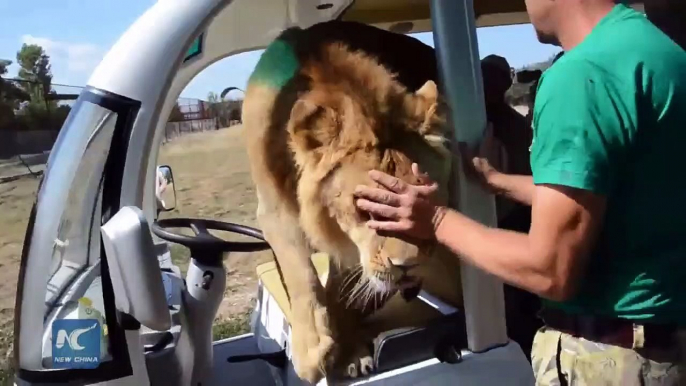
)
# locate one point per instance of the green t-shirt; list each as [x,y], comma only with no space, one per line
[610,117]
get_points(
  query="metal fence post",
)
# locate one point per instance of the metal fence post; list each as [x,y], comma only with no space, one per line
[454,29]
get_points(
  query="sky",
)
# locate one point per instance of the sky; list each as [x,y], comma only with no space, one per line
[77,34]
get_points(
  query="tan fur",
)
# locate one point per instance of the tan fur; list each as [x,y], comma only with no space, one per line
[309,147]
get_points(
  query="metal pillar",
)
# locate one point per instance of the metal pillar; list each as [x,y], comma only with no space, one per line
[454,30]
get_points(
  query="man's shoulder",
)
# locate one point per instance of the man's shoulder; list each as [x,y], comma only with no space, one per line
[568,74]
[624,42]
[624,57]
[569,64]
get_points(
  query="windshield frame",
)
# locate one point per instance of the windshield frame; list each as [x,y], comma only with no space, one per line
[28,346]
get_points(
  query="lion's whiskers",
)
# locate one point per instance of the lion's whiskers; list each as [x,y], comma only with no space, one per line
[362,287]
[353,274]
[348,291]
[357,289]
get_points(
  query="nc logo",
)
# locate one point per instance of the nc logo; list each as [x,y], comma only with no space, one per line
[76,343]
[72,339]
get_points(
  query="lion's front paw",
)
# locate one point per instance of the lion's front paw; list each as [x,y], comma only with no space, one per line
[313,347]
[360,364]
[312,354]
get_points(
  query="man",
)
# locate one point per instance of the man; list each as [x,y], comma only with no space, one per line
[160,187]
[607,245]
[508,149]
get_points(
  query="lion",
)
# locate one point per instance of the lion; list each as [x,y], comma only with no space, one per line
[323,107]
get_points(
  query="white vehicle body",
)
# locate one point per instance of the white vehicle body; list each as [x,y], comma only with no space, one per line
[89,234]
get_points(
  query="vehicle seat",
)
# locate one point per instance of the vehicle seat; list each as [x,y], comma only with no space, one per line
[442,338]
[268,274]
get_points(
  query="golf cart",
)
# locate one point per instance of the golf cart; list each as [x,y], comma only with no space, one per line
[94,306]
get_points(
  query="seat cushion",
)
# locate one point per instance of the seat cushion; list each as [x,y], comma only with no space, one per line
[268,274]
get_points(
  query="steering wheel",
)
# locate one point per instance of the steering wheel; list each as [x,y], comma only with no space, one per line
[204,240]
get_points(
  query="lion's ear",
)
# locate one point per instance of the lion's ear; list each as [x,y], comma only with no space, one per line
[310,125]
[427,109]
[299,122]
[429,91]
[301,113]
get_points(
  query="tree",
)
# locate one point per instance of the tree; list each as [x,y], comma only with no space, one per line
[23,102]
[213,98]
[10,97]
[35,73]
[215,108]
[35,69]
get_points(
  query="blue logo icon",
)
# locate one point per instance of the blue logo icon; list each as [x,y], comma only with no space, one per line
[76,343]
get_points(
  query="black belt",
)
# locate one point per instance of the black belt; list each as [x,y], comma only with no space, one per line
[611,331]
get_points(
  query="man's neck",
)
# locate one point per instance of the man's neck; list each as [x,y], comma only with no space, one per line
[580,20]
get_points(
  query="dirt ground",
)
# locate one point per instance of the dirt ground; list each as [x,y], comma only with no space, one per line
[16,199]
[212,181]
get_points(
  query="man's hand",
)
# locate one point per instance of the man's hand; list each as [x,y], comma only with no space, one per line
[476,161]
[479,169]
[478,166]
[401,207]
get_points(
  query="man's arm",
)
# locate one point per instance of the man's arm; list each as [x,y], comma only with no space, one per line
[514,187]
[518,188]
[572,165]
[579,141]
[548,261]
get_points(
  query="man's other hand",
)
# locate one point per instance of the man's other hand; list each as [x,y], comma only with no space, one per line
[477,166]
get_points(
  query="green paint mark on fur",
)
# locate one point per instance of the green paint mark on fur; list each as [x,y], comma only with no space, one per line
[277,65]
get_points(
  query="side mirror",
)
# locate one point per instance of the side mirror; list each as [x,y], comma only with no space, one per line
[164,189]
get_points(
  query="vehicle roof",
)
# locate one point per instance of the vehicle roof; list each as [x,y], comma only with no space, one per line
[414,15]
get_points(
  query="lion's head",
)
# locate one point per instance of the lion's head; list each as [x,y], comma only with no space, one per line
[353,118]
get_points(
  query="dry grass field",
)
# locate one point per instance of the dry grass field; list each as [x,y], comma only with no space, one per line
[212,181]
[16,199]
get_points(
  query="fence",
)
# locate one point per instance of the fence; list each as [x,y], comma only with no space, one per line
[190,110]
[224,111]
[177,129]
[194,115]
[15,142]
[33,132]
[30,117]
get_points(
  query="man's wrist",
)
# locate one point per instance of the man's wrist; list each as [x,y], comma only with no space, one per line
[495,181]
[437,218]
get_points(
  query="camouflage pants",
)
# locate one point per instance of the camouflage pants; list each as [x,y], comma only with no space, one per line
[560,359]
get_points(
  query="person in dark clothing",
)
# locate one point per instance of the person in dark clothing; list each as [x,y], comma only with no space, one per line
[669,16]
[511,137]
[509,126]
[533,76]
[509,146]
